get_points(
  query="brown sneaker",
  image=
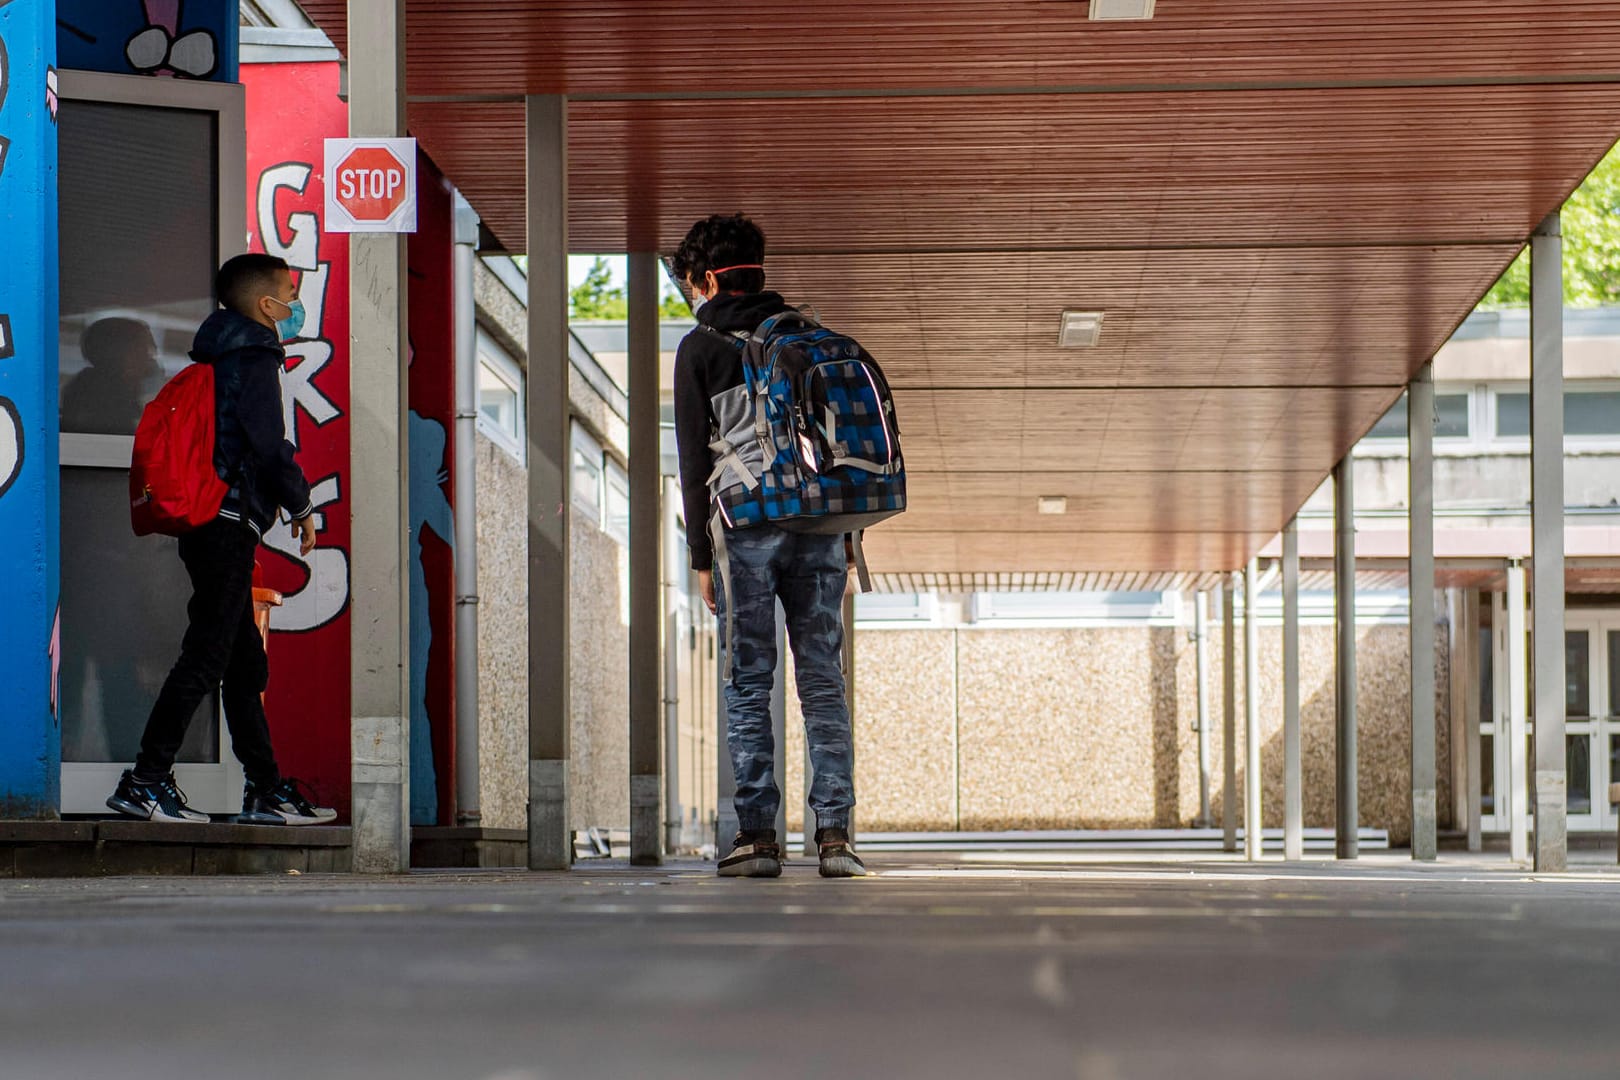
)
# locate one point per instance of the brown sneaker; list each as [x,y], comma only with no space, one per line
[838,858]
[756,854]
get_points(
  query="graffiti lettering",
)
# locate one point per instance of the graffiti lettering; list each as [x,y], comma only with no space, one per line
[303,227]
[326,594]
[11,445]
[298,389]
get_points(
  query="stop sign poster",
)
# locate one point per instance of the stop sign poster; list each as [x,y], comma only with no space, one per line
[370,185]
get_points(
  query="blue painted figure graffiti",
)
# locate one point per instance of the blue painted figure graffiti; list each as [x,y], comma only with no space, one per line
[429,510]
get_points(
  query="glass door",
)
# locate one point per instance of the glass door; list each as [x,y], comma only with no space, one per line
[1584,727]
[151,196]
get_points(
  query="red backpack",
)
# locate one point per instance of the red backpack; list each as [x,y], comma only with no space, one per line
[173,487]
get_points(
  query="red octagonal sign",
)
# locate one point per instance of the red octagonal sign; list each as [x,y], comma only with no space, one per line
[370,187]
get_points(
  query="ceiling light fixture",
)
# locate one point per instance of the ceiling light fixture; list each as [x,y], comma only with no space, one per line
[1052,504]
[1079,329]
[1121,10]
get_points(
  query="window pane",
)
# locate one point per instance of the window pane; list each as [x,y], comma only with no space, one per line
[498,402]
[616,512]
[1578,762]
[123,614]
[1614,677]
[1451,416]
[1592,414]
[1512,415]
[138,241]
[1487,677]
[1577,680]
[1487,774]
[1392,425]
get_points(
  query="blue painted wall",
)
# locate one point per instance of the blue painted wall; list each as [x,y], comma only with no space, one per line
[185,39]
[30,737]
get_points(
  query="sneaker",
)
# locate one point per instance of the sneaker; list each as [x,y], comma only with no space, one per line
[154,800]
[756,854]
[838,858]
[284,804]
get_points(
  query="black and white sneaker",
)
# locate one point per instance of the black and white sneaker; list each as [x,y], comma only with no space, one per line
[838,858]
[153,800]
[284,804]
[756,854]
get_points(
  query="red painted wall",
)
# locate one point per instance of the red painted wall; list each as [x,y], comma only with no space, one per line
[432,481]
[291,109]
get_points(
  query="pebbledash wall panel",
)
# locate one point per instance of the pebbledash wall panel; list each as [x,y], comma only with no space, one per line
[980,729]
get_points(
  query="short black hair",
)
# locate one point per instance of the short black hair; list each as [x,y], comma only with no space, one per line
[245,278]
[717,242]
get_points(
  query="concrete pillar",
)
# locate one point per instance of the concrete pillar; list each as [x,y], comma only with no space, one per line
[1201,636]
[1547,543]
[1347,838]
[1293,795]
[468,785]
[646,672]
[1252,839]
[550,706]
[379,584]
[1420,589]
[1518,778]
[1229,807]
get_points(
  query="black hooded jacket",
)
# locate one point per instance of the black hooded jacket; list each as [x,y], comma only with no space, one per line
[251,451]
[706,367]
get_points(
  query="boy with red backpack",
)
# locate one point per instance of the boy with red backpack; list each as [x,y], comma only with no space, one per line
[254,461]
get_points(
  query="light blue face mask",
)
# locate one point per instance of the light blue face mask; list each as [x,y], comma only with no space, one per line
[288,328]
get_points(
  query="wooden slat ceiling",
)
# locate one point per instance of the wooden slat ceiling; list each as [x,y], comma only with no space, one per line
[1283,210]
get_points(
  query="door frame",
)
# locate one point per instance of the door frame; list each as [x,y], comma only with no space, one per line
[214,787]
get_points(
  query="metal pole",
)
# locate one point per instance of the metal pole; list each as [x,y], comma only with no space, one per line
[1547,543]
[779,726]
[1518,801]
[1473,718]
[1293,795]
[850,669]
[379,730]
[550,706]
[646,673]
[468,812]
[1420,590]
[1346,824]
[1251,715]
[1201,638]
[1229,809]
[672,562]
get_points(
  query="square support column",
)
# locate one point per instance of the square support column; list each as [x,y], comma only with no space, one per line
[1229,806]
[379,487]
[1201,634]
[1420,566]
[1347,839]
[1293,795]
[1547,540]
[646,672]
[1253,781]
[1473,717]
[550,698]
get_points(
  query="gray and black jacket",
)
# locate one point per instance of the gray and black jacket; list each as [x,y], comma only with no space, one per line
[710,400]
[251,451]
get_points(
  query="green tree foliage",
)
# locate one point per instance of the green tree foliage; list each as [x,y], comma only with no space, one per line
[1591,226]
[598,297]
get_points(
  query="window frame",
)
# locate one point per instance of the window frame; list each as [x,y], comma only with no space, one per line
[1521,443]
[583,443]
[504,366]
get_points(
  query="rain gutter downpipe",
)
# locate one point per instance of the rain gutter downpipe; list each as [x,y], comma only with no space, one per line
[468,813]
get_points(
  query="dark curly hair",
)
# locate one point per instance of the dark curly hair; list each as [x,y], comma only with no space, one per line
[720,241]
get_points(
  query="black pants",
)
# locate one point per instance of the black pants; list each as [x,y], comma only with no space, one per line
[222,644]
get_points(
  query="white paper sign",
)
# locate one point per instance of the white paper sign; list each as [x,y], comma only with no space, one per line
[370,185]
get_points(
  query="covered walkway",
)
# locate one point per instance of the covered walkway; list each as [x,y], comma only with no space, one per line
[1066,968]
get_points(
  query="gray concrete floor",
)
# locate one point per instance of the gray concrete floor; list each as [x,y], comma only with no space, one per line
[1047,966]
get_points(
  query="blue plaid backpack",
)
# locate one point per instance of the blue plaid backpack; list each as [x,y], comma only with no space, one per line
[820,449]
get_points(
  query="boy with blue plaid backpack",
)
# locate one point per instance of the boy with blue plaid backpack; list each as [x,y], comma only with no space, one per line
[788,449]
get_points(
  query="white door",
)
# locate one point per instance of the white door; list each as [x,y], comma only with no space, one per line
[150,181]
